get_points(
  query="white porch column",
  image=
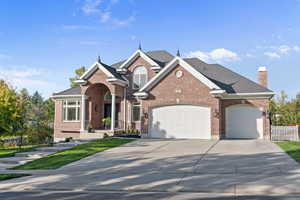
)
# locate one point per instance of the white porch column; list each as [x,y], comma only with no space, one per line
[82,113]
[113,110]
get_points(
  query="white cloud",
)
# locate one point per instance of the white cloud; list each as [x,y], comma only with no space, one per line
[104,11]
[19,72]
[284,49]
[91,7]
[26,77]
[78,27]
[125,21]
[105,17]
[280,49]
[272,54]
[216,55]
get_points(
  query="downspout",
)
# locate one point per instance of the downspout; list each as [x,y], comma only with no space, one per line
[125,107]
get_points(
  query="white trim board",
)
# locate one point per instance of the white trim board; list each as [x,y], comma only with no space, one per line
[93,68]
[66,96]
[136,55]
[257,95]
[173,63]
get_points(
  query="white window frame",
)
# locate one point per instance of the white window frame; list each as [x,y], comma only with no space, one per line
[139,77]
[136,105]
[65,107]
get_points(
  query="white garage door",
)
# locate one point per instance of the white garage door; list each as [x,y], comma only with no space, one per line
[243,121]
[180,121]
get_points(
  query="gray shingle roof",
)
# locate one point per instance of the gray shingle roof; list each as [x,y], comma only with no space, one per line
[226,79]
[113,71]
[70,91]
[161,57]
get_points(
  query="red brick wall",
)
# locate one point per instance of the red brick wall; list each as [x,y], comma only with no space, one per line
[259,103]
[129,75]
[192,92]
[170,91]
[64,129]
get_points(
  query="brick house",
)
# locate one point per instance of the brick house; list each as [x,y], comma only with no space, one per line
[164,96]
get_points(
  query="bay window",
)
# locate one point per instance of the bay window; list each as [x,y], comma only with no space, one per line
[71,110]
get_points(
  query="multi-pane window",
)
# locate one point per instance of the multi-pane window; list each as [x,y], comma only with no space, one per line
[71,110]
[136,112]
[139,77]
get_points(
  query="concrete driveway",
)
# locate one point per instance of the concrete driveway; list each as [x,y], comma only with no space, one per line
[169,169]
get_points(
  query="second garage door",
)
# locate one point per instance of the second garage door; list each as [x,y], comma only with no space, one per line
[244,121]
[180,121]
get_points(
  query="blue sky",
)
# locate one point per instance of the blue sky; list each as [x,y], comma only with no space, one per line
[43,42]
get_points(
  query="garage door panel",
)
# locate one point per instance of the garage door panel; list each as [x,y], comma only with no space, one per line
[180,121]
[244,122]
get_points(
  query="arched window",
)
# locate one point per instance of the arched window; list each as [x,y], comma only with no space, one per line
[107,96]
[139,77]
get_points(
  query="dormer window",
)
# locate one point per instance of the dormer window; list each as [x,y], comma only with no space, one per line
[140,77]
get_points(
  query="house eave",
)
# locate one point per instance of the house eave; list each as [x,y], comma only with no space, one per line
[141,95]
[81,81]
[258,95]
[70,96]
[133,57]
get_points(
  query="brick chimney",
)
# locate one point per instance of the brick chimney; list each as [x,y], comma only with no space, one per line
[262,76]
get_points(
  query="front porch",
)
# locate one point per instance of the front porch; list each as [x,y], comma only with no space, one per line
[101,109]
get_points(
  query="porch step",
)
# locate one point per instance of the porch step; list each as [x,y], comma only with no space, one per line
[32,154]
[51,149]
[15,160]
[96,135]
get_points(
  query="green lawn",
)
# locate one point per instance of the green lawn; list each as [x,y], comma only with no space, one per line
[10,176]
[59,159]
[11,151]
[291,148]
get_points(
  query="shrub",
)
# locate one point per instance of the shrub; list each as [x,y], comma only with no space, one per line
[41,135]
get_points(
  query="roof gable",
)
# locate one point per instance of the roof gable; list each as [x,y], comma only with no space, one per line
[178,61]
[107,70]
[134,56]
[161,57]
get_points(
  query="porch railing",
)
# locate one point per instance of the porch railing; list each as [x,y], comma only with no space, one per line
[119,124]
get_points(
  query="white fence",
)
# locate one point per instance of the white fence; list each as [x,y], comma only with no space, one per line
[281,133]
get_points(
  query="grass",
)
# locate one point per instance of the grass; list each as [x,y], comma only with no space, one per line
[11,151]
[59,159]
[11,176]
[291,148]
